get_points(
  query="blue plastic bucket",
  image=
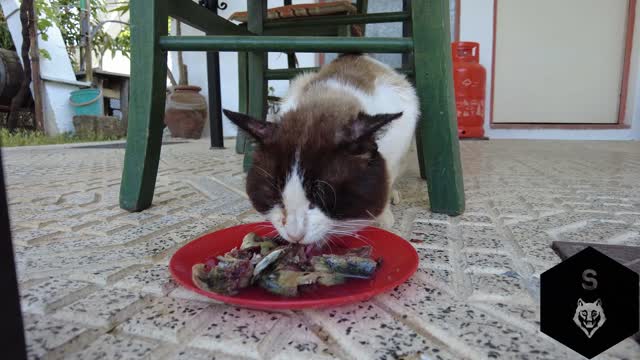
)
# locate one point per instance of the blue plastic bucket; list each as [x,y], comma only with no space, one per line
[87,102]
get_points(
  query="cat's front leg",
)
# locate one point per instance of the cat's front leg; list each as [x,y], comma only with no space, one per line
[395,197]
[386,219]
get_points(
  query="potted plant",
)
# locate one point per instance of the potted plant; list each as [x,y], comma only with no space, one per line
[186,108]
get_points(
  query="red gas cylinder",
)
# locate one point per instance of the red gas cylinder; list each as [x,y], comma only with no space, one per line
[469,79]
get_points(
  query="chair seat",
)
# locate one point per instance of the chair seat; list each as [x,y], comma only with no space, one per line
[302,11]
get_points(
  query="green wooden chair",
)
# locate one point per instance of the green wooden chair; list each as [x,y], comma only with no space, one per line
[426,47]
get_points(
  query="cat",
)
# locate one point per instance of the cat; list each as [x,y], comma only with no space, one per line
[326,166]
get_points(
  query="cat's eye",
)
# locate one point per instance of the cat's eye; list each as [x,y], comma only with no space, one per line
[312,206]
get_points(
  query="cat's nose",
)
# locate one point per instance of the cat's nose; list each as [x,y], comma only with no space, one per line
[295,238]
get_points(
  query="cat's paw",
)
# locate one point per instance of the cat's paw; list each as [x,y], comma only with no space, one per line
[395,197]
[386,219]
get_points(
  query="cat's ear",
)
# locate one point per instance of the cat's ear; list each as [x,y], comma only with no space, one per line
[364,127]
[598,302]
[580,303]
[262,131]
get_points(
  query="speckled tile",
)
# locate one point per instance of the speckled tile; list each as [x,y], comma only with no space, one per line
[119,347]
[487,263]
[30,236]
[497,286]
[534,192]
[525,315]
[469,332]
[423,215]
[77,262]
[168,319]
[152,249]
[154,280]
[137,218]
[434,258]
[104,308]
[365,331]
[475,219]
[595,231]
[52,294]
[191,230]
[70,224]
[235,331]
[80,243]
[50,338]
[433,275]
[198,354]
[105,274]
[106,228]
[298,341]
[183,293]
[430,234]
[481,237]
[80,198]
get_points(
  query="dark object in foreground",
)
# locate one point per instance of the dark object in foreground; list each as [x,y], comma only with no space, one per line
[281,268]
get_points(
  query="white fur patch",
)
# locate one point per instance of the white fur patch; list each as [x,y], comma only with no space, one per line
[296,222]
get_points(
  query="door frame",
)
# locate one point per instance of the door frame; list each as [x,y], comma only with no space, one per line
[624,85]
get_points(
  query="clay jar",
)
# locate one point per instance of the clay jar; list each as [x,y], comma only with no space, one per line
[185,111]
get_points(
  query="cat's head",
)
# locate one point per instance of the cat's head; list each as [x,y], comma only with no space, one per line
[315,175]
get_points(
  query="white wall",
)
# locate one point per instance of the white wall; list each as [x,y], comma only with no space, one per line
[196,62]
[476,24]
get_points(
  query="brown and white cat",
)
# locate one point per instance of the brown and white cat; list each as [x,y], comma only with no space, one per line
[327,164]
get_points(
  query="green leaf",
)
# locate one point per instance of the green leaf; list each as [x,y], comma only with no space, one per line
[45,54]
[121,9]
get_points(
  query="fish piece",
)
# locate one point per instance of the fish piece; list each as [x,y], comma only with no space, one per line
[363,251]
[287,283]
[282,269]
[227,277]
[345,265]
[267,260]
[283,283]
[252,241]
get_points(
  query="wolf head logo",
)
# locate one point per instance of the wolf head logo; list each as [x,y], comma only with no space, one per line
[589,316]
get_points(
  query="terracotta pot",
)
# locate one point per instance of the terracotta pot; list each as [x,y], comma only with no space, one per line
[185,111]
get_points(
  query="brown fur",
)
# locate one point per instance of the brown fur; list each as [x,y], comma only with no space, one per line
[354,170]
[353,70]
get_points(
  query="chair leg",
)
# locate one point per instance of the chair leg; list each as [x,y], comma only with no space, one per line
[292,61]
[147,102]
[256,65]
[407,63]
[241,137]
[437,130]
[215,101]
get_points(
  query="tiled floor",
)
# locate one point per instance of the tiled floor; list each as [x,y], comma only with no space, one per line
[95,285]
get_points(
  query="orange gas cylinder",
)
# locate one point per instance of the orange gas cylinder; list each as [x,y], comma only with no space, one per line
[469,79]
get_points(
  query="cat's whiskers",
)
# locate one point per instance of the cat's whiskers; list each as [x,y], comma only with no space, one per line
[270,182]
[335,195]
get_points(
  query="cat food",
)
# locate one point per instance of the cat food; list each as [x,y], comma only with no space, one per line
[281,268]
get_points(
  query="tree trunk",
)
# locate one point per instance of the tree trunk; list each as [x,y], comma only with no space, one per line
[19,100]
[35,69]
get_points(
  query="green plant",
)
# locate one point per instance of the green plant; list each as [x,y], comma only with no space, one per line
[30,137]
[65,14]
[5,36]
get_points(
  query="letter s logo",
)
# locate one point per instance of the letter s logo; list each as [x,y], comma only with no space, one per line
[589,277]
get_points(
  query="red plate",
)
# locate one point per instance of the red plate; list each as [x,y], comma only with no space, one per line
[399,262]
